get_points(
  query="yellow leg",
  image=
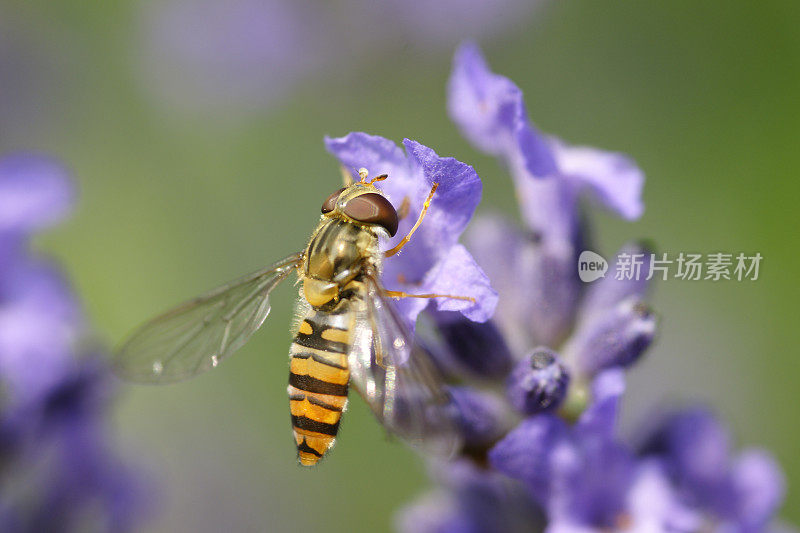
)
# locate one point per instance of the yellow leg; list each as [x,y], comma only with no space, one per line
[401,294]
[404,241]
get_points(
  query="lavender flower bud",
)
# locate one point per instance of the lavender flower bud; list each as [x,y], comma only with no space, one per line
[475,348]
[607,292]
[615,338]
[538,383]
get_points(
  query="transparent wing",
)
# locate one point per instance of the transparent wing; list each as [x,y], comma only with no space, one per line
[196,336]
[397,378]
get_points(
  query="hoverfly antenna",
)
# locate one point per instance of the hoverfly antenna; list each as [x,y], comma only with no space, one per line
[378,178]
[363,173]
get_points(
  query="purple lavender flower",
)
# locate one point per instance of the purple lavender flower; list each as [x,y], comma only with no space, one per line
[573,343]
[59,472]
[433,261]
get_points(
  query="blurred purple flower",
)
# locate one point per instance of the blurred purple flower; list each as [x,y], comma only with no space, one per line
[233,56]
[446,22]
[573,343]
[482,417]
[740,493]
[433,261]
[39,318]
[471,500]
[34,193]
[58,470]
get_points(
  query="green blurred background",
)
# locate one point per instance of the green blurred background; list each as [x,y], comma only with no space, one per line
[176,199]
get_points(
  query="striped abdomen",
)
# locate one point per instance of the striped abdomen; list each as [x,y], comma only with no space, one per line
[318,380]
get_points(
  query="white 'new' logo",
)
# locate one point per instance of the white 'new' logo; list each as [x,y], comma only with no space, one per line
[591,266]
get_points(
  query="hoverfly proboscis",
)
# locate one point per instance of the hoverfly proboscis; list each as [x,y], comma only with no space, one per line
[347,331]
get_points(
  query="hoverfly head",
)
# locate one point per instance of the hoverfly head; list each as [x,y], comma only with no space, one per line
[363,202]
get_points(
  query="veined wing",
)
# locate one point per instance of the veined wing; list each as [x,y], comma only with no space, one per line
[397,378]
[196,336]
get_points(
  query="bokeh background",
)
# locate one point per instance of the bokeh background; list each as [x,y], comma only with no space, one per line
[194,129]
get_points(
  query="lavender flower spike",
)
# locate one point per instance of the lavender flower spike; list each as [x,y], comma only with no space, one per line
[433,261]
[572,344]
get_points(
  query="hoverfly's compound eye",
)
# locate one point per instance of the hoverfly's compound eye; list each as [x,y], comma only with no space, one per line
[373,208]
[330,204]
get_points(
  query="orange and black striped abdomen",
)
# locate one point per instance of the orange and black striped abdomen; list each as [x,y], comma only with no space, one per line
[318,380]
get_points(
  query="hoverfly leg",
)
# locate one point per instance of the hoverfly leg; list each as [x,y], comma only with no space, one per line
[401,294]
[404,241]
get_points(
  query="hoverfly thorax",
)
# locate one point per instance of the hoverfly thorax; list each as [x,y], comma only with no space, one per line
[353,219]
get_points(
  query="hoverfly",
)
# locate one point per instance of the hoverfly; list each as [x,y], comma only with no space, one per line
[346,331]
